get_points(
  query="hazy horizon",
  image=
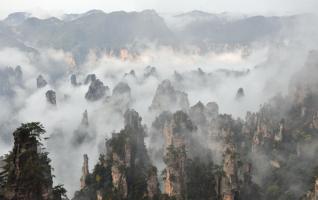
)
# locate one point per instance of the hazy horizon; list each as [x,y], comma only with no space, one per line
[261,7]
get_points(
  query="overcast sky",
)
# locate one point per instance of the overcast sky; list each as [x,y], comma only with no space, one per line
[55,7]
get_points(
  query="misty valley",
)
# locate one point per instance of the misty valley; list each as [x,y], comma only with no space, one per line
[149,106]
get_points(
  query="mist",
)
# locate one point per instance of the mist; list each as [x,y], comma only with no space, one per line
[263,72]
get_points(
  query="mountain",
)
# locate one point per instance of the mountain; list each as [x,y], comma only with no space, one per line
[206,30]
[94,30]
[16,18]
[112,32]
[9,39]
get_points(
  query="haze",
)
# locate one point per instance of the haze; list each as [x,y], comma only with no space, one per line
[47,7]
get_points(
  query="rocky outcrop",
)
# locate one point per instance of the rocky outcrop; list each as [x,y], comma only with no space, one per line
[212,110]
[174,175]
[206,117]
[131,74]
[121,97]
[176,133]
[177,130]
[51,97]
[150,71]
[127,150]
[126,172]
[90,78]
[9,79]
[203,115]
[74,80]
[279,135]
[312,195]
[84,133]
[84,122]
[40,82]
[168,99]
[153,191]
[239,94]
[85,172]
[229,181]
[315,120]
[96,90]
[2,164]
[27,171]
[197,113]
[18,74]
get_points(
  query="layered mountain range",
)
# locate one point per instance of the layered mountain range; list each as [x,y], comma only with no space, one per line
[134,31]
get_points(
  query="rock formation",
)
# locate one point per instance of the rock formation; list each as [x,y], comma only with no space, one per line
[175,133]
[27,171]
[229,182]
[9,79]
[96,90]
[121,97]
[85,172]
[131,74]
[153,191]
[197,113]
[312,195]
[174,175]
[18,75]
[84,133]
[178,129]
[90,78]
[127,169]
[169,99]
[240,94]
[150,71]
[74,80]
[127,150]
[51,97]
[40,82]
[212,110]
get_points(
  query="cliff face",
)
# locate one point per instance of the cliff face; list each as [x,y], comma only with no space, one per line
[85,172]
[178,129]
[127,172]
[174,174]
[130,161]
[229,182]
[96,91]
[176,133]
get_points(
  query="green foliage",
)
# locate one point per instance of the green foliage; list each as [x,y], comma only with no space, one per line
[273,192]
[201,183]
[34,167]
[118,143]
[174,154]
[59,192]
[27,168]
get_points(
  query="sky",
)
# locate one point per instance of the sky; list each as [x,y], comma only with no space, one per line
[57,7]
